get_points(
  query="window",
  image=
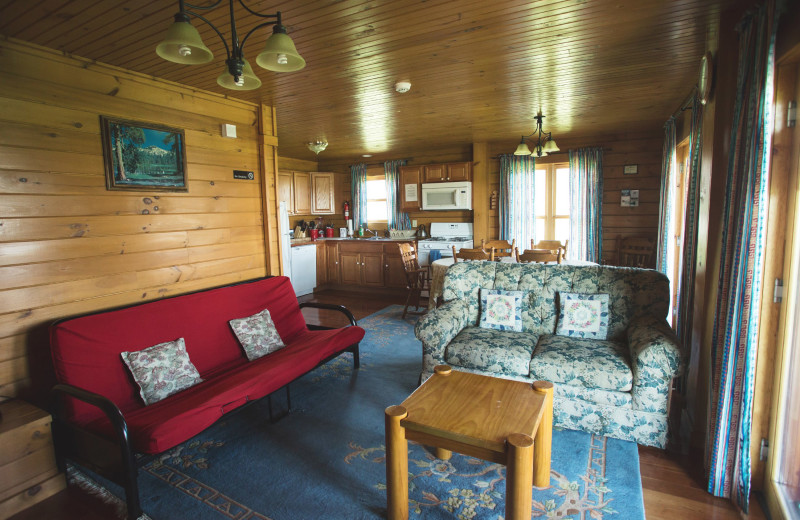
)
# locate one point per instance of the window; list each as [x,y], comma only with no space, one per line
[377,207]
[552,202]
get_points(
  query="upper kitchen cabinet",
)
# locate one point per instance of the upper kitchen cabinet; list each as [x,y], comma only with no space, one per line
[286,190]
[434,173]
[302,193]
[410,197]
[322,199]
[461,171]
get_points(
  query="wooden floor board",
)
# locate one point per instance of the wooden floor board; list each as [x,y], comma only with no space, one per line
[673,483]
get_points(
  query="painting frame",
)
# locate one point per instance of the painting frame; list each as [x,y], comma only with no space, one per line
[153,154]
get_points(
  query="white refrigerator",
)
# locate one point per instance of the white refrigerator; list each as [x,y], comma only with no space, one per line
[299,262]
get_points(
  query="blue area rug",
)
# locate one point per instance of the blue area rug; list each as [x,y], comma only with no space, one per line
[326,459]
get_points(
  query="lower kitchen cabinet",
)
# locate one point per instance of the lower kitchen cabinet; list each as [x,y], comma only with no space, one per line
[322,263]
[395,274]
[362,264]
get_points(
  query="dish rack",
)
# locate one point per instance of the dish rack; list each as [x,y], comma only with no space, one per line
[402,233]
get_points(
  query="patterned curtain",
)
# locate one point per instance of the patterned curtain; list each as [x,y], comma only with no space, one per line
[735,339]
[397,219]
[517,217]
[685,298]
[358,189]
[586,204]
[666,240]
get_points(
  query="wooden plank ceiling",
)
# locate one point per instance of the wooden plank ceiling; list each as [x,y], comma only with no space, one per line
[480,70]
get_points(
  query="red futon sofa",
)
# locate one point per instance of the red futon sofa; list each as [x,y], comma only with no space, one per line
[100,418]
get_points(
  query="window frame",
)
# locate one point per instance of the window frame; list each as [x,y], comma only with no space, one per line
[549,216]
[375,173]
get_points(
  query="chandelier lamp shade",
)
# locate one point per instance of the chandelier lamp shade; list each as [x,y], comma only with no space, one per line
[183,45]
[317,146]
[542,141]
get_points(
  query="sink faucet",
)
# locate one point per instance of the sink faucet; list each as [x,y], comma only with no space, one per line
[374,234]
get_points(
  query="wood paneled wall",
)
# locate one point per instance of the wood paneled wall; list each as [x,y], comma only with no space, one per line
[67,245]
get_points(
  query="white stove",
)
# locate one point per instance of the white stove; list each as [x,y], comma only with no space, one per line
[445,235]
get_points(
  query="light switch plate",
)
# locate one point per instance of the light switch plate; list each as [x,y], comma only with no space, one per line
[229,131]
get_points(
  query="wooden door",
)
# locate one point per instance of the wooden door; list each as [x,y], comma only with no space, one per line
[410,194]
[302,193]
[322,264]
[286,191]
[350,268]
[322,193]
[459,171]
[434,173]
[372,268]
[332,262]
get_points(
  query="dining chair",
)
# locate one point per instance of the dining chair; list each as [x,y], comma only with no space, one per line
[501,248]
[418,278]
[466,253]
[538,255]
[551,244]
[636,251]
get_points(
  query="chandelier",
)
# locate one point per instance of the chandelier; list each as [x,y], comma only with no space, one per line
[317,146]
[543,143]
[183,45]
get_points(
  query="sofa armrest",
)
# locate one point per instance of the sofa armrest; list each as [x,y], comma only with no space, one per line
[438,327]
[656,358]
[128,471]
[341,308]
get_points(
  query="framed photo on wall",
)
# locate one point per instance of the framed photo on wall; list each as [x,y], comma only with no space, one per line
[143,156]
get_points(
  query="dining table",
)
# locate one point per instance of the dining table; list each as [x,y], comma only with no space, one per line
[439,268]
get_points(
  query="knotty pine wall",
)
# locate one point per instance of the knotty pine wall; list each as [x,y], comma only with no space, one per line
[68,246]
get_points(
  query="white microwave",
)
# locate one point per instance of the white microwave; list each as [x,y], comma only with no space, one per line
[446,195]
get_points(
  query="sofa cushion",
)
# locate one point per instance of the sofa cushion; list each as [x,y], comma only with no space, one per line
[495,351]
[501,310]
[161,370]
[589,363]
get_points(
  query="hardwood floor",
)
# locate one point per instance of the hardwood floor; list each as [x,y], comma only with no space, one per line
[673,483]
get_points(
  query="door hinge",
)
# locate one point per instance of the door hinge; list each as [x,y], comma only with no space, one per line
[763,454]
[791,114]
[777,295]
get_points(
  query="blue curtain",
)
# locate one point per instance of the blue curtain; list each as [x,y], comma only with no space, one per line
[358,189]
[586,204]
[397,219]
[665,232]
[517,216]
[735,340]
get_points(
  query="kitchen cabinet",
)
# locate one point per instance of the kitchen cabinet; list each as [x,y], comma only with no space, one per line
[332,255]
[286,190]
[445,172]
[395,274]
[410,179]
[364,267]
[301,184]
[322,193]
[459,171]
[322,263]
[434,173]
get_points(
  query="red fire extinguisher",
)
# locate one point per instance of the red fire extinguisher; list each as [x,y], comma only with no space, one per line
[346,210]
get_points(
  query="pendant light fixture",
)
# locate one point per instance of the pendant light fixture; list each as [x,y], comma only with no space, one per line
[317,146]
[543,145]
[184,45]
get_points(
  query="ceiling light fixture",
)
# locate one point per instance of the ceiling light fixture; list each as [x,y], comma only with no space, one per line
[317,146]
[183,45]
[402,86]
[543,145]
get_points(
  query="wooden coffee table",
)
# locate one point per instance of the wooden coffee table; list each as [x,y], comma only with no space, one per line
[498,420]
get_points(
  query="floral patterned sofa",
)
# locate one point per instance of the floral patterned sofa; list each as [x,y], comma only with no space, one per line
[616,385]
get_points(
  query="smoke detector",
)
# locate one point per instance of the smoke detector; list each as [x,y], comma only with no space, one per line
[402,86]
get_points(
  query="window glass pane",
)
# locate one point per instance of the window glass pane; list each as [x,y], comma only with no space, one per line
[540,193]
[377,211]
[376,189]
[562,191]
[562,229]
[539,231]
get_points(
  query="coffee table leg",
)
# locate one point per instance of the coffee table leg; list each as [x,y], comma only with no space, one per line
[396,464]
[544,437]
[443,454]
[519,476]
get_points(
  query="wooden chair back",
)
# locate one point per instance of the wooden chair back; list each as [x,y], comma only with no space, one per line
[501,248]
[636,251]
[538,255]
[417,278]
[466,253]
[551,244]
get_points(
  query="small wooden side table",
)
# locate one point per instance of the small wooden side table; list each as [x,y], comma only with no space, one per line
[498,420]
[28,471]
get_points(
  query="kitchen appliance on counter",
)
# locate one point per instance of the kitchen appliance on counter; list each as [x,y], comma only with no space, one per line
[444,235]
[446,196]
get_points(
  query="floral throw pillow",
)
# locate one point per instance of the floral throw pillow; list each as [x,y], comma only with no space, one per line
[583,316]
[162,370]
[501,310]
[257,335]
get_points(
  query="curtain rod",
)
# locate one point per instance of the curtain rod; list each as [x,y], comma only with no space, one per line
[687,103]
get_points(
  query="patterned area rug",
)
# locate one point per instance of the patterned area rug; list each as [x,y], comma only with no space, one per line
[326,458]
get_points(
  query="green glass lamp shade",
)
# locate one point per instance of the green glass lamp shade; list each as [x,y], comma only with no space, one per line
[550,147]
[184,45]
[247,81]
[522,149]
[280,54]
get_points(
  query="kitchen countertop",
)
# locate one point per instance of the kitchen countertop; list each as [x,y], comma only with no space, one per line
[306,241]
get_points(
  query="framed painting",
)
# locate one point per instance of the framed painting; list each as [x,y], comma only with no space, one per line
[143,156]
